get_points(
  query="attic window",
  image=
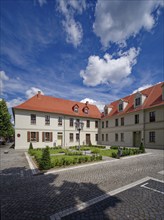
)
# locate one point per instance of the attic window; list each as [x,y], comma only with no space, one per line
[76,109]
[120,107]
[138,101]
[86,110]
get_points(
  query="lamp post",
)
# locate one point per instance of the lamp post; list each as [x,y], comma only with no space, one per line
[79,126]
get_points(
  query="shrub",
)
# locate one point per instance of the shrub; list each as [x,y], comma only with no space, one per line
[142,148]
[95,151]
[45,162]
[99,146]
[114,147]
[114,154]
[30,147]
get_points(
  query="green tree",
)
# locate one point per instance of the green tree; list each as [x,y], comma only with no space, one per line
[45,162]
[6,127]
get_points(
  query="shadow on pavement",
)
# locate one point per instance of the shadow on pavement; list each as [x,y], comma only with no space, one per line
[24,196]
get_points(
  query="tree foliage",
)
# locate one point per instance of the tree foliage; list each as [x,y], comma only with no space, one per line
[6,128]
[45,162]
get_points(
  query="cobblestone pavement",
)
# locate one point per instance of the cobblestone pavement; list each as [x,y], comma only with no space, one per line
[24,196]
[136,203]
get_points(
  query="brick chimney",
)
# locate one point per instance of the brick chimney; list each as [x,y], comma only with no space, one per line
[39,93]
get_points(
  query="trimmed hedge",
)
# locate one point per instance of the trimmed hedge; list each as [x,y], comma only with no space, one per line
[66,161]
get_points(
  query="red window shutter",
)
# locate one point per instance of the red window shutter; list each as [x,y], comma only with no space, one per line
[51,136]
[42,136]
[37,136]
[28,136]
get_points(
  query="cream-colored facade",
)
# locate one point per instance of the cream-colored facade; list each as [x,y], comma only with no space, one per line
[135,119]
[60,133]
[131,132]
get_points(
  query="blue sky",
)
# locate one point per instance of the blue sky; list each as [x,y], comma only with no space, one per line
[97,50]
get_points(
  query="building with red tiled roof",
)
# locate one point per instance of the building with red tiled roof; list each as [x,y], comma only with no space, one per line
[136,118]
[45,120]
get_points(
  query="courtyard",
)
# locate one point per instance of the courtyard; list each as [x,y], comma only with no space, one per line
[130,188]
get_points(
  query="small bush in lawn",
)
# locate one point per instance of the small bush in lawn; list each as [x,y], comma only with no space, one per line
[30,147]
[114,154]
[45,162]
[142,148]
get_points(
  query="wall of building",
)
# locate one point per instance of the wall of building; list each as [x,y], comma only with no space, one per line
[23,125]
[157,127]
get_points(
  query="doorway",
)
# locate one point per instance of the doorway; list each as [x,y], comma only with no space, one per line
[88,139]
[59,139]
[136,138]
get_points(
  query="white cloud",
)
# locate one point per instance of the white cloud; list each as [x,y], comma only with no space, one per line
[3,75]
[142,88]
[108,69]
[100,105]
[116,21]
[72,28]
[14,102]
[42,2]
[33,91]
[74,32]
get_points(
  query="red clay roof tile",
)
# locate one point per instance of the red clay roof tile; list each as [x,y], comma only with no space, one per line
[153,98]
[61,106]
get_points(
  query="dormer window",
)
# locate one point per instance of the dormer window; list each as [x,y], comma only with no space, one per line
[76,108]
[138,101]
[107,109]
[120,107]
[86,110]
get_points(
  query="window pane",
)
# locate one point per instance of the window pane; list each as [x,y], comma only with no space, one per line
[33,119]
[60,121]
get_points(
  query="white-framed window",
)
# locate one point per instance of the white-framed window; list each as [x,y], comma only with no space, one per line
[77,136]
[122,121]
[136,119]
[60,121]
[106,137]
[120,107]
[137,101]
[88,123]
[47,136]
[116,137]
[76,108]
[152,136]
[71,122]
[102,137]
[96,137]
[32,136]
[152,116]
[96,124]
[47,120]
[33,119]
[86,110]
[106,124]
[71,137]
[122,137]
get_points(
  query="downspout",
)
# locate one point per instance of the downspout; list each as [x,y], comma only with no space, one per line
[144,128]
[64,132]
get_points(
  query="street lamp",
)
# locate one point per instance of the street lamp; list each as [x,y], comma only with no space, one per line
[79,126]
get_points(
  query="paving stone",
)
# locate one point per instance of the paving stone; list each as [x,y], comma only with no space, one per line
[25,196]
